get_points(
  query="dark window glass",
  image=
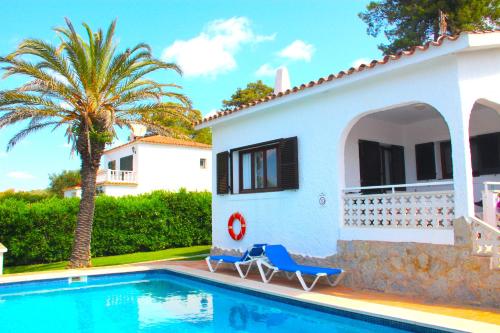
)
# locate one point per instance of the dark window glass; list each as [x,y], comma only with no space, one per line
[203,163]
[127,163]
[485,154]
[258,169]
[247,171]
[426,161]
[446,160]
[272,168]
[112,165]
[381,165]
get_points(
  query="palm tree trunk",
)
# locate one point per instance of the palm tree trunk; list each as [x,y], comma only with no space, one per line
[80,257]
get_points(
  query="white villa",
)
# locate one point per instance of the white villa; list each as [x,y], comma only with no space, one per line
[389,170]
[149,163]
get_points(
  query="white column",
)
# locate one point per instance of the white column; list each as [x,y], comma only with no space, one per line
[462,166]
[3,249]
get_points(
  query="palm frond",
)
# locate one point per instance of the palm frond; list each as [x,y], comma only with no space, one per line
[86,85]
[27,131]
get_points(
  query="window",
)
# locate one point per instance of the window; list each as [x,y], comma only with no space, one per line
[203,163]
[112,165]
[446,160]
[426,161]
[127,163]
[259,169]
[263,167]
[485,154]
[381,164]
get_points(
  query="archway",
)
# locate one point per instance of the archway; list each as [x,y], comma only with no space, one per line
[484,139]
[395,169]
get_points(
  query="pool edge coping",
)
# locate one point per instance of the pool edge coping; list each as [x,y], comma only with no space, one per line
[366,308]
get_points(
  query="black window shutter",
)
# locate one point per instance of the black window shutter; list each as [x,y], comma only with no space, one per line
[446,160]
[426,161]
[127,163]
[398,175]
[223,173]
[289,164]
[370,170]
[488,146]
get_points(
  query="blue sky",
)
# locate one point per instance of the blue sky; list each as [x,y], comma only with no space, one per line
[221,45]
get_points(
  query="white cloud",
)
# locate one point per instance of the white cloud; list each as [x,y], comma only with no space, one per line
[3,154]
[298,50]
[66,145]
[212,51]
[266,70]
[358,62]
[20,175]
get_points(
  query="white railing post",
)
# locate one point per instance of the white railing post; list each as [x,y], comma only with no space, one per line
[3,249]
[117,176]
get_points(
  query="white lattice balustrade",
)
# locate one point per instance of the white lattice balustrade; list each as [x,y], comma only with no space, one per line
[486,242]
[400,210]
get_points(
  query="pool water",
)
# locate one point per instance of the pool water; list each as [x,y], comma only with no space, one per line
[159,301]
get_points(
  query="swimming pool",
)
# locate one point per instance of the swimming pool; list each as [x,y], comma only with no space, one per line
[162,301]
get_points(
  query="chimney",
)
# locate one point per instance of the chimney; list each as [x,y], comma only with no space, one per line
[282,80]
[137,131]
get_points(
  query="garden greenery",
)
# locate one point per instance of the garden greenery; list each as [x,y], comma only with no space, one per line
[42,231]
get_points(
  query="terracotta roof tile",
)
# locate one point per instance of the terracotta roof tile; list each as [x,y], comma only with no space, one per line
[341,74]
[159,139]
[163,140]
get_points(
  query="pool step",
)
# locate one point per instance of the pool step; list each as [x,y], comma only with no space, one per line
[77,279]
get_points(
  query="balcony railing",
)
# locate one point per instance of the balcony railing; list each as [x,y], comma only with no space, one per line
[426,209]
[116,176]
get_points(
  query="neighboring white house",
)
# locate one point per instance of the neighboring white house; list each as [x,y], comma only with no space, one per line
[151,163]
[381,153]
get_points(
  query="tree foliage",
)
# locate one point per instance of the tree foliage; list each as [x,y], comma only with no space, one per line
[62,180]
[182,127]
[252,92]
[408,23]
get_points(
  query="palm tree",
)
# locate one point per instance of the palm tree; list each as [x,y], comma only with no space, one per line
[87,87]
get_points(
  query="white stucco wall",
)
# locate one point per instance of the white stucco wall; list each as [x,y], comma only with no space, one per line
[73,193]
[321,117]
[162,167]
[172,168]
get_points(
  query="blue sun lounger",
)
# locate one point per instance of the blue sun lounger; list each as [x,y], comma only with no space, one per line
[248,258]
[278,259]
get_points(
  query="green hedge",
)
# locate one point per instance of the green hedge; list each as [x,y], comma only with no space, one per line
[42,232]
[28,196]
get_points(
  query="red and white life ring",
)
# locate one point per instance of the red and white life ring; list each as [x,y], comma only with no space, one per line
[243,226]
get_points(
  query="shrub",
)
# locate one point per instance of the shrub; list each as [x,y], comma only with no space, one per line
[28,196]
[42,232]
